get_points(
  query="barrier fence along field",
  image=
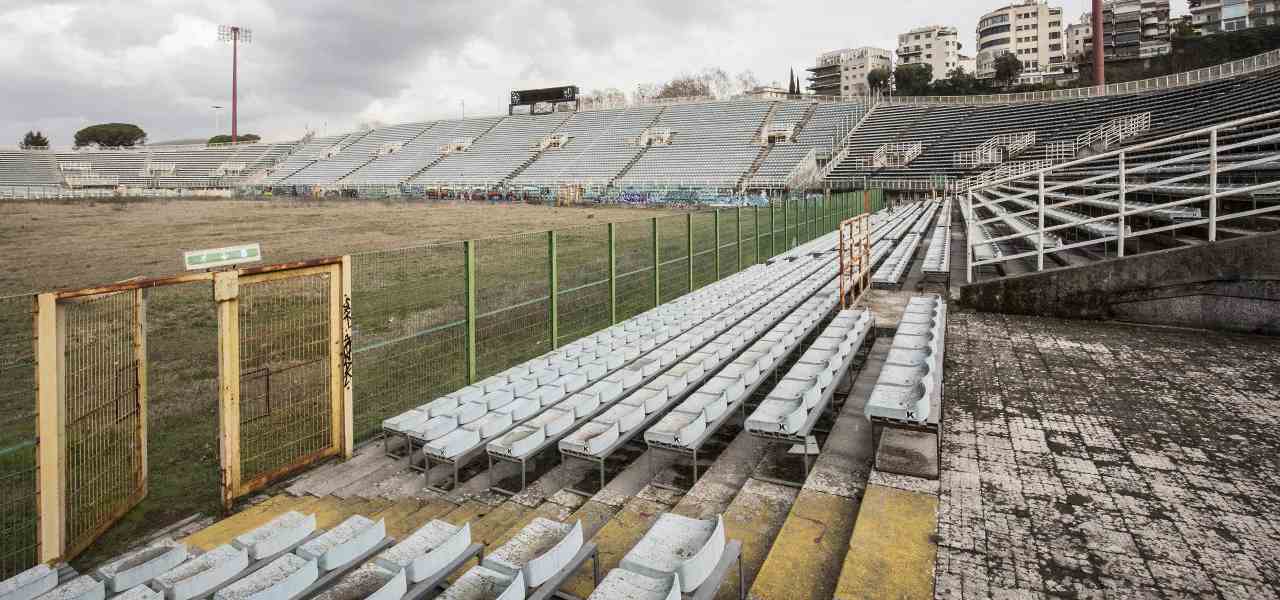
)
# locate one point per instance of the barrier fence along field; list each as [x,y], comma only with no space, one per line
[415,323]
[18,516]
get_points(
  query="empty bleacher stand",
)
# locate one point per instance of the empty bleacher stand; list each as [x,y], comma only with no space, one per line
[711,144]
[492,157]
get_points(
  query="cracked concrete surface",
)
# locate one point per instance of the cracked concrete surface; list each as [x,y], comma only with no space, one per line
[1090,459]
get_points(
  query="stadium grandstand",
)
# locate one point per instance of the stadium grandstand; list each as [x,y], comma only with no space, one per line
[957,393]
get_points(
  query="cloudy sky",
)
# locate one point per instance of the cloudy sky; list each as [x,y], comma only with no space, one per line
[331,65]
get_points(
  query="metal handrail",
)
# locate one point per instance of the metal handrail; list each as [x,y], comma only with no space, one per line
[1178,212]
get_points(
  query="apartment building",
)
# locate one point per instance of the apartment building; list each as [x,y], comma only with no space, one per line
[844,72]
[1131,30]
[1031,31]
[934,45]
[1214,16]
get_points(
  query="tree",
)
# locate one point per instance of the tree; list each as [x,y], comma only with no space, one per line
[606,98]
[243,137]
[878,79]
[719,86]
[957,83]
[747,81]
[646,91]
[111,135]
[791,86]
[1008,68]
[34,139]
[913,80]
[684,86]
[1184,29]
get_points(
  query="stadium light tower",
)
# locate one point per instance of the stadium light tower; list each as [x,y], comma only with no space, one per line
[234,34]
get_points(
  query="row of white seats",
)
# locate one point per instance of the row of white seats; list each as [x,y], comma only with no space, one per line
[464,420]
[808,384]
[780,328]
[676,556]
[460,421]
[909,389]
[662,344]
[535,556]
[673,380]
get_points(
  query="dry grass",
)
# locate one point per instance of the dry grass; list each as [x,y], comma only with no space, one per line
[59,245]
[56,245]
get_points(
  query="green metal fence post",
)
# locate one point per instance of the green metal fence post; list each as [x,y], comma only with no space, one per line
[553,271]
[688,238]
[738,222]
[773,232]
[613,275]
[469,285]
[717,225]
[657,261]
[756,211]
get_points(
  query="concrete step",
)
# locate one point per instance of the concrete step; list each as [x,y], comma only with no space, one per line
[892,549]
[755,518]
[807,555]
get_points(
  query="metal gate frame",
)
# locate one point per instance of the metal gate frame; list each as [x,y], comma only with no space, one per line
[51,419]
[51,409]
[226,292]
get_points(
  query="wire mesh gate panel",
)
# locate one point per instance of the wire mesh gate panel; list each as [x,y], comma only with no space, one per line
[19,523]
[99,397]
[284,363]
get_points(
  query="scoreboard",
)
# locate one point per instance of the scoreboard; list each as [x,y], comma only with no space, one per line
[554,95]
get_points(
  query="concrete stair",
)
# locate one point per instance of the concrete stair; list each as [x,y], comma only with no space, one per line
[847,532]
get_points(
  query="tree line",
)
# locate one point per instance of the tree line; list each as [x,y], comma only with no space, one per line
[115,135]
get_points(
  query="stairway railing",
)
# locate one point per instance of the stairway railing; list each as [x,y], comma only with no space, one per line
[1186,168]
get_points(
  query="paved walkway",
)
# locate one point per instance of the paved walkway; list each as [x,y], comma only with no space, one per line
[1086,459]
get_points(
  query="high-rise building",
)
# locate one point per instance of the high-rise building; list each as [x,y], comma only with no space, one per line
[1079,38]
[1214,16]
[1133,29]
[844,72]
[934,45]
[1031,31]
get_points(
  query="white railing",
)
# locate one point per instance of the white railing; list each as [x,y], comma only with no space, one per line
[1003,171]
[158,168]
[93,180]
[990,151]
[1244,66]
[388,148]
[75,167]
[1114,131]
[896,154]
[939,183]
[225,169]
[1187,167]
[589,104]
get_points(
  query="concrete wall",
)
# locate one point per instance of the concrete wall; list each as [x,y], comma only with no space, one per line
[1231,285]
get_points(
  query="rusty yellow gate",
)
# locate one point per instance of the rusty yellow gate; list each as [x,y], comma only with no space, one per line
[92,414]
[284,367]
[284,388]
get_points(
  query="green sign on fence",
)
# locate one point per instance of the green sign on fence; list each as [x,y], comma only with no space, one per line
[221,257]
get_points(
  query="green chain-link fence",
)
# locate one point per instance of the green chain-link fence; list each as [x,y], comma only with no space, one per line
[419,333]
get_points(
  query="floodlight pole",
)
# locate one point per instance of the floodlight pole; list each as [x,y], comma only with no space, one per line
[234,34]
[235,62]
[1099,53]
